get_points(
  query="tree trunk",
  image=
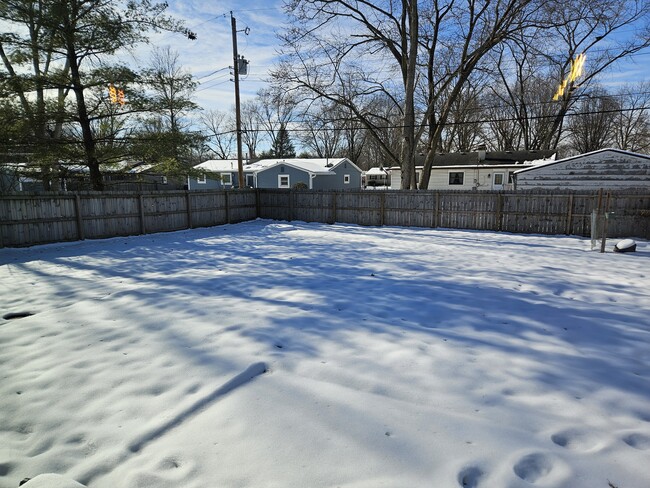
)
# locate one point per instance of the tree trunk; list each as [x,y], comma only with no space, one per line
[84,121]
[409,62]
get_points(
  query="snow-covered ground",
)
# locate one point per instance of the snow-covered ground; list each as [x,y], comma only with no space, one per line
[269,354]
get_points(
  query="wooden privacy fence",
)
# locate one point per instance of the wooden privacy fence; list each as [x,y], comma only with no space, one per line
[518,212]
[27,219]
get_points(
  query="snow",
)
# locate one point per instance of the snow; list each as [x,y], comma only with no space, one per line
[275,354]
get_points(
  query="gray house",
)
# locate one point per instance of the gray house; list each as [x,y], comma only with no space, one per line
[315,174]
[607,168]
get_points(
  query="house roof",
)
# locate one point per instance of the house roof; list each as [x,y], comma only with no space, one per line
[481,166]
[491,158]
[550,163]
[321,166]
[378,171]
[312,165]
[219,165]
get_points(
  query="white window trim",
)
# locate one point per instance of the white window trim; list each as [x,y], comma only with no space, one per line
[202,179]
[163,180]
[226,181]
[280,185]
[455,184]
[346,179]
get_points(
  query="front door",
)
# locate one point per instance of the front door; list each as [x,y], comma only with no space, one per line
[498,180]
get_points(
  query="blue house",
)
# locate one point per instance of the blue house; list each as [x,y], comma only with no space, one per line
[314,174]
[225,168]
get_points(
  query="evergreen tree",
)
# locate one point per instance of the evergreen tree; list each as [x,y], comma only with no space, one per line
[67,46]
[283,147]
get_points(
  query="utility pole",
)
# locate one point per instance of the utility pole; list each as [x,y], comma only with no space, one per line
[235,55]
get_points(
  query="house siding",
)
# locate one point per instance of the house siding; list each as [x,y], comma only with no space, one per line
[479,178]
[609,169]
[209,184]
[268,178]
[324,182]
[345,168]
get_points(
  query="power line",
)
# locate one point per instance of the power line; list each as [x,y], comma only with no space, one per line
[214,72]
[453,123]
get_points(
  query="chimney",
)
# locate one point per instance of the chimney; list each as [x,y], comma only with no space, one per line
[481,148]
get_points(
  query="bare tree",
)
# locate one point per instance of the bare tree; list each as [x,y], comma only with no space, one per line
[251,117]
[276,109]
[220,129]
[605,32]
[325,52]
[321,129]
[464,130]
[591,126]
[522,91]
[392,48]
[171,88]
[631,128]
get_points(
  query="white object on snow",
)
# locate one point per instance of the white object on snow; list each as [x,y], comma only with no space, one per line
[626,245]
[52,480]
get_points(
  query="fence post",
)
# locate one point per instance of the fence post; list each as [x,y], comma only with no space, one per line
[225,194]
[436,223]
[143,228]
[569,217]
[604,240]
[334,194]
[499,216]
[80,224]
[257,203]
[290,205]
[188,201]
[382,208]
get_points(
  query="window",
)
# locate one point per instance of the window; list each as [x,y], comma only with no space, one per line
[346,179]
[226,178]
[250,181]
[511,178]
[283,181]
[201,179]
[163,180]
[456,177]
[498,178]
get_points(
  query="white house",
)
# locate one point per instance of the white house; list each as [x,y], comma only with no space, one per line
[378,176]
[480,170]
[607,168]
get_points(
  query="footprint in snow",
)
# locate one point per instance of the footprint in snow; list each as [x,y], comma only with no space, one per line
[533,467]
[638,441]
[469,476]
[575,439]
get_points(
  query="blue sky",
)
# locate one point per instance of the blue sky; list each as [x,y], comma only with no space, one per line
[212,50]
[209,57]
